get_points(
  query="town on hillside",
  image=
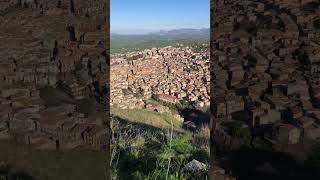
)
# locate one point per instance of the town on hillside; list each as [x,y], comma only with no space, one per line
[53,72]
[265,91]
[158,79]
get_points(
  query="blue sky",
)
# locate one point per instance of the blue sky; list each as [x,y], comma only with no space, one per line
[145,16]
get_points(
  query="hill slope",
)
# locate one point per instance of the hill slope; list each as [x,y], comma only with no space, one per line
[127,43]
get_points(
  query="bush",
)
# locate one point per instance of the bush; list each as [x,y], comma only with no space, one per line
[184,102]
[171,106]
[201,154]
[139,157]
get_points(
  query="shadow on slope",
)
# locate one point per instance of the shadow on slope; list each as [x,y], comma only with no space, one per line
[252,164]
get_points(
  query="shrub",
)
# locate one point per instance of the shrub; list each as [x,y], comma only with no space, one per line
[142,157]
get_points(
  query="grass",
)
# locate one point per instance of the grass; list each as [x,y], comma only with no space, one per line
[52,165]
[162,120]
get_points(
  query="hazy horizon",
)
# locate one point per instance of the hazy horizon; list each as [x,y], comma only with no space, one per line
[150,31]
[142,17]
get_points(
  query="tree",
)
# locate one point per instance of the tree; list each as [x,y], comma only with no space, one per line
[184,102]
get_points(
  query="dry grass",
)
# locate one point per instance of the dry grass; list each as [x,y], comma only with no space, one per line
[161,120]
[202,138]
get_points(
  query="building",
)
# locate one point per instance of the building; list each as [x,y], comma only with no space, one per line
[73,89]
[167,98]
[288,134]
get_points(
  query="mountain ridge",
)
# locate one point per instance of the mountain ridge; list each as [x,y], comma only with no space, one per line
[173,32]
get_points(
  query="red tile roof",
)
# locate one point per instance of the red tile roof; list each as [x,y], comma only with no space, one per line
[166,96]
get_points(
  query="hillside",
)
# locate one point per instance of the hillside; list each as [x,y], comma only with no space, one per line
[49,165]
[147,118]
[125,43]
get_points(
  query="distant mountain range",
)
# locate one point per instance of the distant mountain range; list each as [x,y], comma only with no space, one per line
[180,33]
[124,43]
[177,32]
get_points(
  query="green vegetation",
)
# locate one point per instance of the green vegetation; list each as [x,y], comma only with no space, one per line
[184,102]
[51,165]
[146,157]
[87,106]
[123,44]
[171,106]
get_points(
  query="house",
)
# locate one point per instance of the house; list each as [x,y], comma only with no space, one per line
[277,101]
[167,98]
[295,112]
[300,87]
[260,116]
[288,134]
[255,92]
[305,122]
[220,109]
[234,103]
[66,63]
[312,132]
[73,88]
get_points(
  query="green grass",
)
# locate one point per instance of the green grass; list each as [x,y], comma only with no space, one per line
[161,120]
[53,165]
